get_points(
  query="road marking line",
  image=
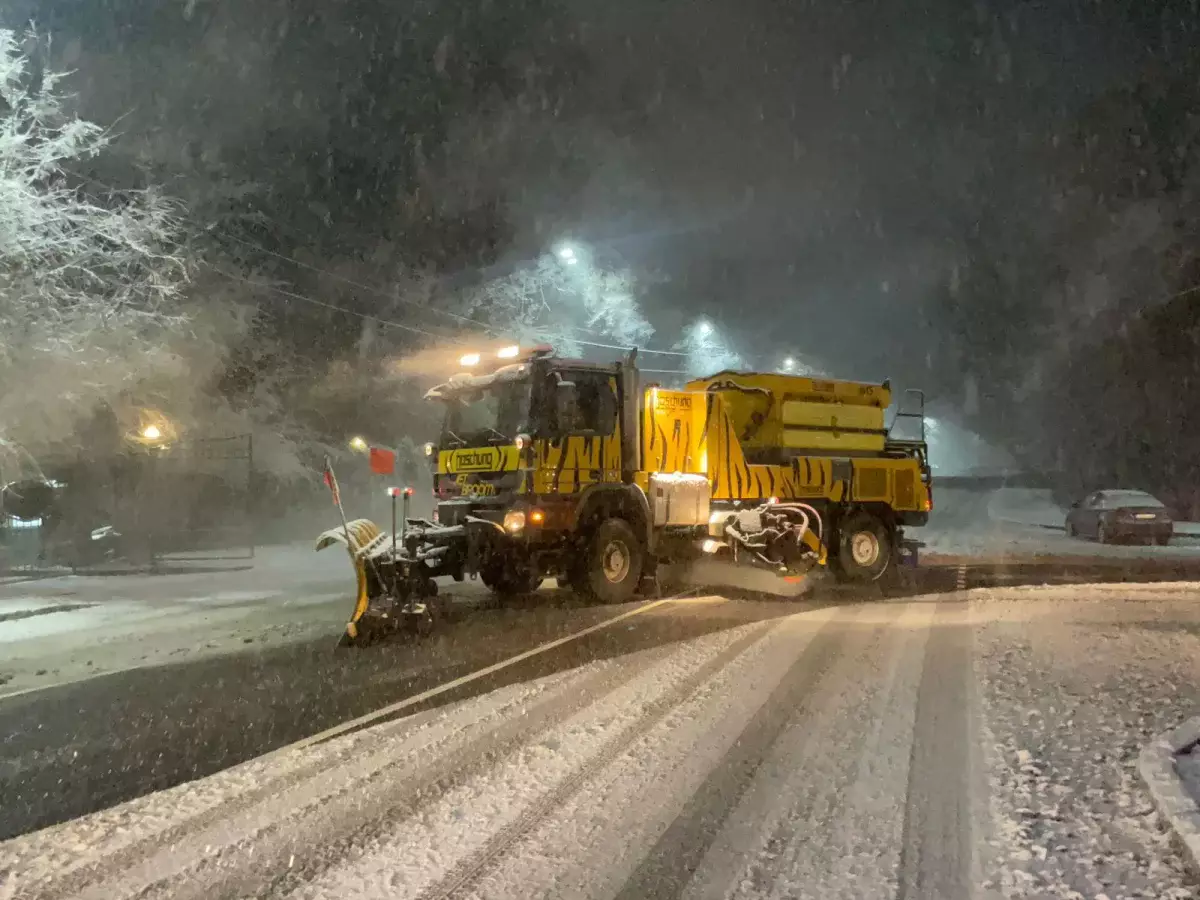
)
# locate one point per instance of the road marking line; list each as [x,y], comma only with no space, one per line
[392,708]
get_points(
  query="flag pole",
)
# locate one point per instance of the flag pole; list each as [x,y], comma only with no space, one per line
[331,482]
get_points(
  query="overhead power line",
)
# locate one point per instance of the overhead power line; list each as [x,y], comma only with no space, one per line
[427,309]
[365,287]
[293,295]
[262,285]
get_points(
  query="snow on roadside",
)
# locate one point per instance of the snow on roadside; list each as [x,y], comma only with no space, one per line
[1071,692]
[1022,522]
[1027,506]
[1188,767]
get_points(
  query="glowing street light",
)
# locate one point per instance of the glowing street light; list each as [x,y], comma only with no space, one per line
[566,252]
[704,327]
[358,443]
[789,364]
[152,433]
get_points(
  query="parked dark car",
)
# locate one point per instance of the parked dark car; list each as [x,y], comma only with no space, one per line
[1110,516]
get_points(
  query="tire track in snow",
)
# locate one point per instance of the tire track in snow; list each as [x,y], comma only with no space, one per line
[936,851]
[273,853]
[463,877]
[594,841]
[259,782]
[824,816]
[669,865]
[72,855]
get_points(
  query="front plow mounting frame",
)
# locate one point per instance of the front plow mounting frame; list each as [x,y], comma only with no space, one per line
[395,587]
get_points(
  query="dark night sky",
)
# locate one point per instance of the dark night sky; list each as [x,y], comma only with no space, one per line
[815,161]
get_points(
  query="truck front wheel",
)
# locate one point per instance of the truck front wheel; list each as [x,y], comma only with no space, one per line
[612,563]
[510,578]
[865,549]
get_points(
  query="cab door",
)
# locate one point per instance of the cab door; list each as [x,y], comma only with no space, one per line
[583,443]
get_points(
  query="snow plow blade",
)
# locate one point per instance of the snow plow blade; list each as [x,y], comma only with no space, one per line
[364,537]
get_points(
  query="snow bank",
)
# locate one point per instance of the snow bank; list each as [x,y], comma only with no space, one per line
[1027,506]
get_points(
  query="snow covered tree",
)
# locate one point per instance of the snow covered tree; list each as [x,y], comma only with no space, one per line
[88,284]
[708,350]
[561,304]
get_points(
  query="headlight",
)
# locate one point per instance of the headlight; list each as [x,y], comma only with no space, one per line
[514,520]
[429,449]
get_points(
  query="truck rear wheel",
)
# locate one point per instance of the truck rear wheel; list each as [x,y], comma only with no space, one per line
[865,549]
[612,563]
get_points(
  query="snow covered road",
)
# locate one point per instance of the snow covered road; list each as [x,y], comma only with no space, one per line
[977,524]
[976,745]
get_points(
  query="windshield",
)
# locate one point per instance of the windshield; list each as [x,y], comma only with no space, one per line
[496,413]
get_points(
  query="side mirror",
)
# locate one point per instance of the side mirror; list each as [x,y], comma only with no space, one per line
[566,404]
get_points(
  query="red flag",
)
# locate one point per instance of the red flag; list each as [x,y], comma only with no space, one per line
[331,483]
[383,462]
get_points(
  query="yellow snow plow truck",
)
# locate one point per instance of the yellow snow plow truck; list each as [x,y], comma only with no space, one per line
[586,472]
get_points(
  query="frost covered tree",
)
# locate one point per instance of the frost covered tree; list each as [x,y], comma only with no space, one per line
[708,350]
[561,304]
[89,284]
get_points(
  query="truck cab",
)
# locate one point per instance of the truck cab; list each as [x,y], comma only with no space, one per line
[524,453]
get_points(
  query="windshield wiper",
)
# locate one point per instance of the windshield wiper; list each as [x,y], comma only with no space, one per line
[499,434]
[451,434]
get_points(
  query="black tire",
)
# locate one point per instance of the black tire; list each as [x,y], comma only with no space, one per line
[510,579]
[614,559]
[1163,540]
[866,551]
[1072,531]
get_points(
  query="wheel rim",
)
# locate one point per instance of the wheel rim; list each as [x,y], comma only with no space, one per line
[864,548]
[615,561]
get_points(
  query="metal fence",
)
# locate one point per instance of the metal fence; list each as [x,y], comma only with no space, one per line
[21,550]
[192,501]
[200,500]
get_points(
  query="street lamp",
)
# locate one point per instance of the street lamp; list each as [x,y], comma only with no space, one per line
[567,254]
[704,327]
[789,364]
[358,443]
[154,432]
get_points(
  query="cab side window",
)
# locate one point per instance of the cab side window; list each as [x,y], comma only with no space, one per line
[596,409]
